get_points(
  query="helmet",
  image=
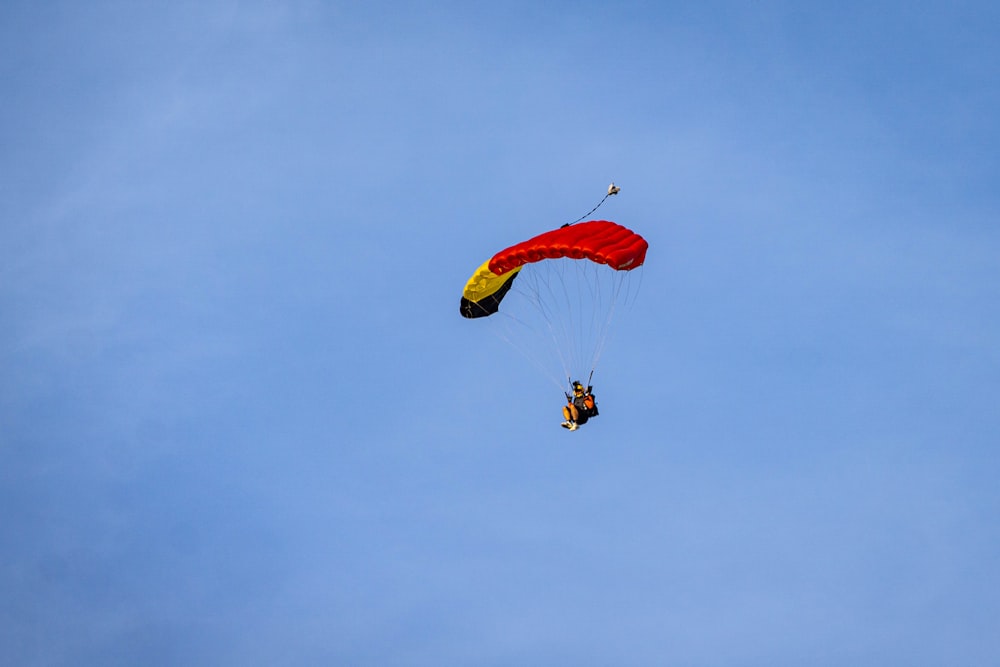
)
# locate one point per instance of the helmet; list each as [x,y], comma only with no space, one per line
[577,386]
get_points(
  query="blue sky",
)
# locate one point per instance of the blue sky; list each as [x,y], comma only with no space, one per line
[241,420]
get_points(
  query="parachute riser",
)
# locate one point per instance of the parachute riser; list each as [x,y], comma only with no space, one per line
[590,379]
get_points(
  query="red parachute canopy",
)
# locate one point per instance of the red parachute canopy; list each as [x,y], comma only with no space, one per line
[600,241]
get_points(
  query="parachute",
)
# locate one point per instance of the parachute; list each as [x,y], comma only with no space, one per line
[573,277]
[599,241]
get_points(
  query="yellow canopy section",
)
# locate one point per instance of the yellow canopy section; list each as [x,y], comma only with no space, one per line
[484,291]
[484,282]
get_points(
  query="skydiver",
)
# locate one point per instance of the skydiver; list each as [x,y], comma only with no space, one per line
[580,406]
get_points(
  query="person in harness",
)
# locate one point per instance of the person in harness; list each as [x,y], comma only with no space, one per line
[580,406]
